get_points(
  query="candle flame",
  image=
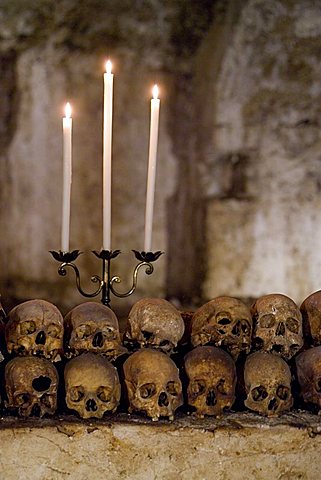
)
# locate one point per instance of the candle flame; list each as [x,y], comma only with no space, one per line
[108,66]
[155,92]
[68,110]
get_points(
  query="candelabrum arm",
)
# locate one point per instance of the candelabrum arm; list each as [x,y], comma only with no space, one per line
[115,279]
[95,279]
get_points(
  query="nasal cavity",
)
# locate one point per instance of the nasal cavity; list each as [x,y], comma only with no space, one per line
[273,404]
[91,405]
[36,410]
[98,340]
[237,328]
[281,329]
[41,338]
[163,400]
[211,398]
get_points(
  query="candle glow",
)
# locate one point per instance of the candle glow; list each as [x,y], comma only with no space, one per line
[108,66]
[68,110]
[155,92]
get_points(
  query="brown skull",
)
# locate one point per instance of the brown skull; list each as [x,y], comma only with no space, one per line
[92,327]
[308,365]
[267,380]
[277,325]
[154,323]
[31,386]
[224,322]
[311,316]
[212,377]
[153,384]
[92,385]
[35,327]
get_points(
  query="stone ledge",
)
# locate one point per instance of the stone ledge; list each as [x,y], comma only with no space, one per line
[238,446]
[230,421]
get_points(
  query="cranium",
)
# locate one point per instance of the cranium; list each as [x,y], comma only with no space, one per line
[35,327]
[92,327]
[153,384]
[224,322]
[211,380]
[311,316]
[308,366]
[267,379]
[31,386]
[154,323]
[277,325]
[92,385]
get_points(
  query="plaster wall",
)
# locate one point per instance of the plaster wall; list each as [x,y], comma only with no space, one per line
[261,159]
[237,207]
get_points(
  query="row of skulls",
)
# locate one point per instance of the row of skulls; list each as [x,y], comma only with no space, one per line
[219,334]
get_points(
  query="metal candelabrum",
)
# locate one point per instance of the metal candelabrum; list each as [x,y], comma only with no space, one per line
[106,281]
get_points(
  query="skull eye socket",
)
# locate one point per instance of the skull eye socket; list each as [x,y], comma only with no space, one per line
[282,392]
[76,394]
[245,327]
[104,394]
[83,331]
[109,333]
[223,319]
[267,321]
[27,328]
[318,385]
[53,330]
[198,387]
[22,399]
[147,390]
[220,387]
[259,393]
[293,325]
[172,388]
[48,400]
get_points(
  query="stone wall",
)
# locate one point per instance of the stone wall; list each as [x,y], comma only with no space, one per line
[261,156]
[238,184]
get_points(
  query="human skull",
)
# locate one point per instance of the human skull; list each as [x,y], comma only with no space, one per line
[308,366]
[224,322]
[31,386]
[211,380]
[92,327]
[311,316]
[154,323]
[92,385]
[267,379]
[153,384]
[35,327]
[277,325]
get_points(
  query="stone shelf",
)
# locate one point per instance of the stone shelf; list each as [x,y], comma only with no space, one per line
[238,446]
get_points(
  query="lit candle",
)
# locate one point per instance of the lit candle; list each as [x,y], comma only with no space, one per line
[107,142]
[153,139]
[66,190]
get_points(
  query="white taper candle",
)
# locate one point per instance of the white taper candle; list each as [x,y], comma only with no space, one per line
[153,140]
[107,144]
[67,177]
